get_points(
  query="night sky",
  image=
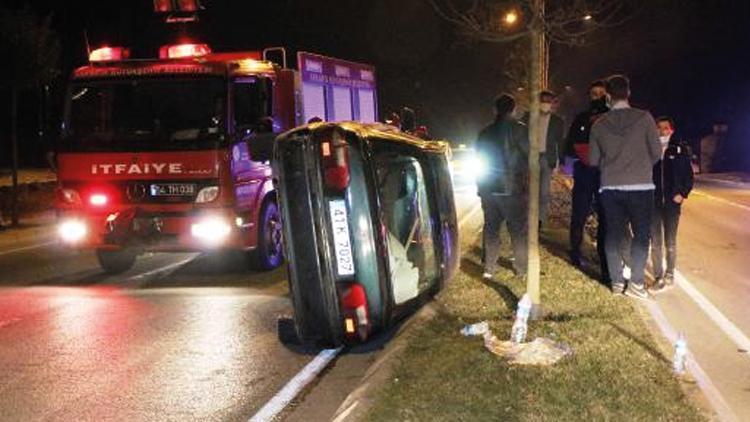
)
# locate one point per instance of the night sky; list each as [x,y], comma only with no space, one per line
[687,59]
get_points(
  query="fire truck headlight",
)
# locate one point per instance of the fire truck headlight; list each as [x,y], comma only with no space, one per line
[72,231]
[69,196]
[211,230]
[207,194]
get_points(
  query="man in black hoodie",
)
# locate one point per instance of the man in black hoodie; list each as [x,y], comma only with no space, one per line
[586,178]
[673,178]
[503,148]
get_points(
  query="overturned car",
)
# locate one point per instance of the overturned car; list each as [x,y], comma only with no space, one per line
[369,226]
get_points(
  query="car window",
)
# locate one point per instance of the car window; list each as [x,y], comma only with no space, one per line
[406,213]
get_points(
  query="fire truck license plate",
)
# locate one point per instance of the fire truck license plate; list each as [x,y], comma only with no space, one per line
[172,189]
[341,240]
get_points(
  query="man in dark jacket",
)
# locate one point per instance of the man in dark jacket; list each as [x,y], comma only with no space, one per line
[624,144]
[673,178]
[586,178]
[551,127]
[503,149]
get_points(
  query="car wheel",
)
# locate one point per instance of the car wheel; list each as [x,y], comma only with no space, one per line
[116,261]
[269,253]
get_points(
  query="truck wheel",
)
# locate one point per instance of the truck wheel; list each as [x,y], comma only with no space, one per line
[117,261]
[270,251]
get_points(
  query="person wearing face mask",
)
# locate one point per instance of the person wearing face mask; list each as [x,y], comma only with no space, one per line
[673,178]
[586,178]
[551,131]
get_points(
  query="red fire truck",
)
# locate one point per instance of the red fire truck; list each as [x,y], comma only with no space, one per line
[172,154]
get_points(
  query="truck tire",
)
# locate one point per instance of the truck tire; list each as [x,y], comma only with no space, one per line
[116,261]
[269,253]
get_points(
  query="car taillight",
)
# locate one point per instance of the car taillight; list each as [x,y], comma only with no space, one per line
[355,311]
[335,154]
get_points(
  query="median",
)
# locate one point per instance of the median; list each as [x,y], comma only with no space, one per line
[617,370]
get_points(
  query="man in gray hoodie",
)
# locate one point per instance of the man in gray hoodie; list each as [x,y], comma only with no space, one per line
[624,144]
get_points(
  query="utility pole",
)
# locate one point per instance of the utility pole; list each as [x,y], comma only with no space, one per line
[14,155]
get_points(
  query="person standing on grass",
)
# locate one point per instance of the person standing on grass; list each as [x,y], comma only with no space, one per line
[551,127]
[503,149]
[586,179]
[624,144]
[673,178]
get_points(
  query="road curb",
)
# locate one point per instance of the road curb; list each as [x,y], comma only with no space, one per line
[360,401]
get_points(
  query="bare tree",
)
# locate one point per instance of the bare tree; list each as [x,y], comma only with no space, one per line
[30,49]
[539,23]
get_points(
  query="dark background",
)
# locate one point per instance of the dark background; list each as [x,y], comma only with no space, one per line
[687,59]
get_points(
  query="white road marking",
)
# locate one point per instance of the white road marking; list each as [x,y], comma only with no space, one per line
[735,334]
[713,395]
[733,183]
[28,248]
[135,280]
[271,409]
[721,200]
[343,415]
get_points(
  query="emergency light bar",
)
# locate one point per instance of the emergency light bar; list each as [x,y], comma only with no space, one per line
[167,6]
[181,51]
[109,54]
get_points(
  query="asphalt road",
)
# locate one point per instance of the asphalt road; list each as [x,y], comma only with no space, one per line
[714,261]
[178,337]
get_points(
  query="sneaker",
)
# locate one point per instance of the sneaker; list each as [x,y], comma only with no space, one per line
[657,287]
[617,288]
[637,292]
[669,279]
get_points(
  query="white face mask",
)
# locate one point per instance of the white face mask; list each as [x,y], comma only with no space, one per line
[545,107]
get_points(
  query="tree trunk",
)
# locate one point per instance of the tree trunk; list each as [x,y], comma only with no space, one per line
[14,155]
[536,49]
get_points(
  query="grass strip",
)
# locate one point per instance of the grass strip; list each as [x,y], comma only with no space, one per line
[617,372]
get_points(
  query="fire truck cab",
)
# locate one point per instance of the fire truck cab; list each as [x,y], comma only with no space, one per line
[173,154]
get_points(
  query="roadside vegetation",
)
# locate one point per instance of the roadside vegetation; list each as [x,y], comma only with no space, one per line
[617,372]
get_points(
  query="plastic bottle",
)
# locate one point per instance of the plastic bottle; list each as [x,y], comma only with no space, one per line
[679,362]
[520,325]
[478,329]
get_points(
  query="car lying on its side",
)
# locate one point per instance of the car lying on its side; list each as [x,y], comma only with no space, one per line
[369,225]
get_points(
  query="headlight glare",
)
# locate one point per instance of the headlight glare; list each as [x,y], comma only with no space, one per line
[72,231]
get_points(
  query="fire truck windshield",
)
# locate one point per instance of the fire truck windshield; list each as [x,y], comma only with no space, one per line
[145,114]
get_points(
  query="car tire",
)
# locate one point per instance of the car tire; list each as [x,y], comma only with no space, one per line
[115,261]
[269,254]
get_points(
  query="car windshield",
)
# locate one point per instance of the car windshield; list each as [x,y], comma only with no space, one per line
[148,114]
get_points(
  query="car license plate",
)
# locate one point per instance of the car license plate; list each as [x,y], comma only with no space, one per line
[341,240]
[172,189]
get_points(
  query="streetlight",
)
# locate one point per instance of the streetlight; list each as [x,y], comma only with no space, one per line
[510,18]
